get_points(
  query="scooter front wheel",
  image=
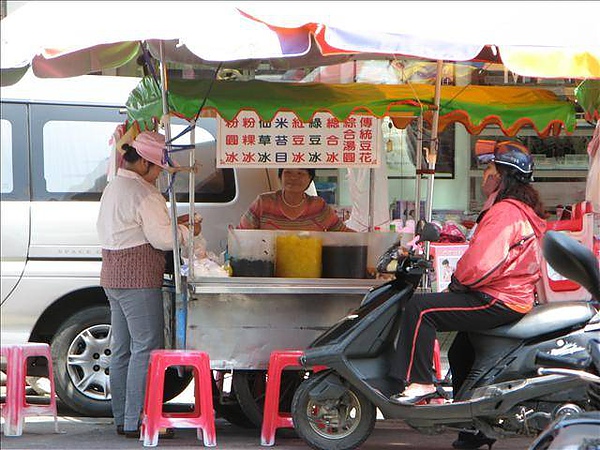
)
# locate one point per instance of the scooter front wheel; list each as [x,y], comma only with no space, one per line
[342,423]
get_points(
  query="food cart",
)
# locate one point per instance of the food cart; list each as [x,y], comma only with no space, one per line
[178,38]
[237,320]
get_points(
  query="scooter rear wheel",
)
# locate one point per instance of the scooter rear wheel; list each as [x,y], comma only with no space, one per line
[333,424]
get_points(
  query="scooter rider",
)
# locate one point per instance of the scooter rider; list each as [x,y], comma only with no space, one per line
[494,282]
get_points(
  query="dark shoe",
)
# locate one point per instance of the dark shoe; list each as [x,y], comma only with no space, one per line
[120,430]
[470,441]
[132,434]
[410,400]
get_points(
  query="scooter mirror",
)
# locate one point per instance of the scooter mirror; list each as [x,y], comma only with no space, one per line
[429,233]
[572,260]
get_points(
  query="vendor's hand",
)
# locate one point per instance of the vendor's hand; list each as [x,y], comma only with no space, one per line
[197,228]
[184,219]
[187,169]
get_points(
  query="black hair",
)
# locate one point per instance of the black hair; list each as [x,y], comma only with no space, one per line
[512,186]
[131,155]
[311,172]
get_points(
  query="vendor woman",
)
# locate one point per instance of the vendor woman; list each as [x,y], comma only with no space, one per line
[290,208]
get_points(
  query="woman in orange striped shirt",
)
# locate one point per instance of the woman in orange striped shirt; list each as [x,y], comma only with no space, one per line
[290,208]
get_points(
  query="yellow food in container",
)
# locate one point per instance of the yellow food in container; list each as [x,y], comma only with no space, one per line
[298,256]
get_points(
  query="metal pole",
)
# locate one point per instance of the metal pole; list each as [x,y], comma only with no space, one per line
[433,150]
[192,209]
[371,217]
[418,166]
[180,300]
[431,160]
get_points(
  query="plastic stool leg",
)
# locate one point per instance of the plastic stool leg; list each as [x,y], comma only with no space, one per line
[271,416]
[207,429]
[437,360]
[153,402]
[15,392]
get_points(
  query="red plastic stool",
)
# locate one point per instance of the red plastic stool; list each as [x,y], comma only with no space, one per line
[202,417]
[16,407]
[272,417]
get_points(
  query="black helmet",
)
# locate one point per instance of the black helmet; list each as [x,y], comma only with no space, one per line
[515,156]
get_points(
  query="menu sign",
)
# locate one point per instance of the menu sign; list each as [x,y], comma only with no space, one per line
[286,141]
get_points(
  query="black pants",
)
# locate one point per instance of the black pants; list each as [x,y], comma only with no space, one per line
[424,314]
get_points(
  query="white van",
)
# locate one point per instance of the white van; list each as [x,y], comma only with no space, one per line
[55,149]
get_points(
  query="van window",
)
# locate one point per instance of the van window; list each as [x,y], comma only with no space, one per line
[70,150]
[213,185]
[7,163]
[14,144]
[76,155]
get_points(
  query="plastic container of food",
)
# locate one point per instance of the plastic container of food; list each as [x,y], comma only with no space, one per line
[251,252]
[344,255]
[298,255]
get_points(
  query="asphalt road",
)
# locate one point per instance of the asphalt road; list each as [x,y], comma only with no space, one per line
[99,433]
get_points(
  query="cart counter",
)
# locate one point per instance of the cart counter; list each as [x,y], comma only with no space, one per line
[239,321]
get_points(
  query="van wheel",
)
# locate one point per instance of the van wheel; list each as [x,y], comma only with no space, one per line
[81,358]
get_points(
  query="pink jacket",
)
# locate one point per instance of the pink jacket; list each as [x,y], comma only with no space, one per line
[504,256]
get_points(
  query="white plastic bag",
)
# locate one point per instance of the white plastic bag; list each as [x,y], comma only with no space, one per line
[206,264]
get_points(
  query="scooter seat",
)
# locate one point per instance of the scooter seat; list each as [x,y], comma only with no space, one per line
[546,319]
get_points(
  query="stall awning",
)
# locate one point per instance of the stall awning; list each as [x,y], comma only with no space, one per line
[588,97]
[509,107]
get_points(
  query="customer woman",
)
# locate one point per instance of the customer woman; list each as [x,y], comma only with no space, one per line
[494,281]
[135,230]
[290,208]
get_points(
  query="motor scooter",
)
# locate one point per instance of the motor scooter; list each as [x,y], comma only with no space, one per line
[573,427]
[503,395]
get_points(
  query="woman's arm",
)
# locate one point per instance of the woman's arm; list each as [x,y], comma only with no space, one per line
[488,248]
[156,223]
[250,220]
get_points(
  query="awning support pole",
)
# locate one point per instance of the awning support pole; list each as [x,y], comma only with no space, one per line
[180,296]
[431,160]
[433,145]
[418,166]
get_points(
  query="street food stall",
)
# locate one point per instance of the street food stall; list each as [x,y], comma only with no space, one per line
[311,36]
[240,319]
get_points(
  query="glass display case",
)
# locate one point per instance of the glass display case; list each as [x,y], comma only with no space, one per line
[561,165]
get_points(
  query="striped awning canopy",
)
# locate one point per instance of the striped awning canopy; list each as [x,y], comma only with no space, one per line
[509,107]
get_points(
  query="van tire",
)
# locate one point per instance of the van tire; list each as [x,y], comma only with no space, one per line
[68,341]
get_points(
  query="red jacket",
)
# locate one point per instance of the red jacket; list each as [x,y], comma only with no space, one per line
[504,256]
